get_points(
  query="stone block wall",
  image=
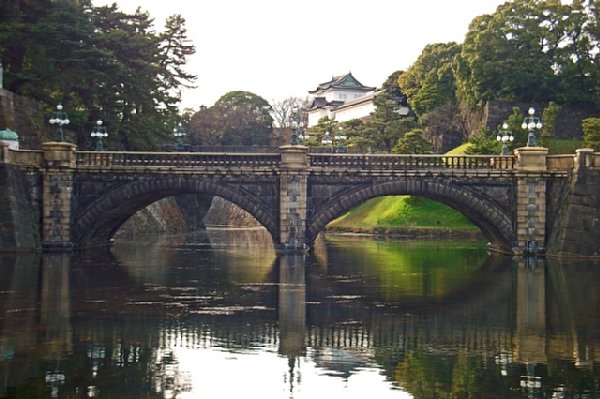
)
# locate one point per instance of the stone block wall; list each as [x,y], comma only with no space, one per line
[576,228]
[20,216]
[26,117]
[568,120]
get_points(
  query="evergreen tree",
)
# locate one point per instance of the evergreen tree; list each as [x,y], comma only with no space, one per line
[531,51]
[413,142]
[549,120]
[430,82]
[591,133]
[99,63]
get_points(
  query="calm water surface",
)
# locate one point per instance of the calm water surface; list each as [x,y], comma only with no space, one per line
[220,315]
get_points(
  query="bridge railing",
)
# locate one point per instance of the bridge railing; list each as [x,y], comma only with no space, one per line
[403,161]
[560,162]
[175,159]
[23,157]
[596,160]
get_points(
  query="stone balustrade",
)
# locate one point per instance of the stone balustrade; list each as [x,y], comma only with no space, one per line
[22,157]
[170,159]
[87,159]
[404,161]
[560,162]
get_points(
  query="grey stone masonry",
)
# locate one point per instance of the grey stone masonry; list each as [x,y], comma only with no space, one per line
[530,212]
[19,217]
[59,161]
[293,197]
[525,204]
[576,230]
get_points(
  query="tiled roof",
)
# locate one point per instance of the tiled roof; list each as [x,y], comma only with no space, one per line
[342,82]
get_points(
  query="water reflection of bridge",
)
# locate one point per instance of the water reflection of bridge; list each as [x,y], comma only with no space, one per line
[532,313]
[514,312]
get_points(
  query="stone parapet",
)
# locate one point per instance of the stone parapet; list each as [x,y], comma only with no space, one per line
[584,158]
[531,159]
[59,154]
[294,157]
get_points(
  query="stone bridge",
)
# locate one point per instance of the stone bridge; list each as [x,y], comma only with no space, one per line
[76,198]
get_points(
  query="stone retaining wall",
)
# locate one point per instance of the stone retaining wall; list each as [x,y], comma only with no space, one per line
[20,215]
[576,229]
[26,117]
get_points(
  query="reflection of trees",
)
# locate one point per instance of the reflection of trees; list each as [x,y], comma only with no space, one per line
[405,270]
[429,375]
[425,375]
[115,328]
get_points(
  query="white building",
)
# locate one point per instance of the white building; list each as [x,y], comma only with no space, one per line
[342,98]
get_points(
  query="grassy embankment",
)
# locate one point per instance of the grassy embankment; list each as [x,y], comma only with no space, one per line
[416,216]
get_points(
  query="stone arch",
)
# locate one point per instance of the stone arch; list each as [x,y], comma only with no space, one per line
[98,222]
[494,222]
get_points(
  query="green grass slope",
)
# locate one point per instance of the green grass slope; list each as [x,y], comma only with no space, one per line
[403,211]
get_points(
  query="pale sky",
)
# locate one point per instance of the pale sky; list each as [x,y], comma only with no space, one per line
[279,48]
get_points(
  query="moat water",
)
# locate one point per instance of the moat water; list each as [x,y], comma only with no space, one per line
[221,315]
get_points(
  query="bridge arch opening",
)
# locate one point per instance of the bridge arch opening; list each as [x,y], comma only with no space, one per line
[99,221]
[484,211]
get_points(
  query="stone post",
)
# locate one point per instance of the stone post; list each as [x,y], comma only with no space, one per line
[293,197]
[583,158]
[531,201]
[59,168]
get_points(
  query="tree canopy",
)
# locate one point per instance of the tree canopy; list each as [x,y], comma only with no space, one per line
[100,63]
[532,50]
[237,118]
[527,51]
[429,82]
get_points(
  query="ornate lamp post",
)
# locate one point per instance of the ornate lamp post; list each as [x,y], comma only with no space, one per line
[99,132]
[531,123]
[331,140]
[178,132]
[341,138]
[302,136]
[295,140]
[59,118]
[505,136]
[327,140]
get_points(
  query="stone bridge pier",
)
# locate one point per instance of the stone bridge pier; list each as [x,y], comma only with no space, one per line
[293,195]
[530,209]
[59,170]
